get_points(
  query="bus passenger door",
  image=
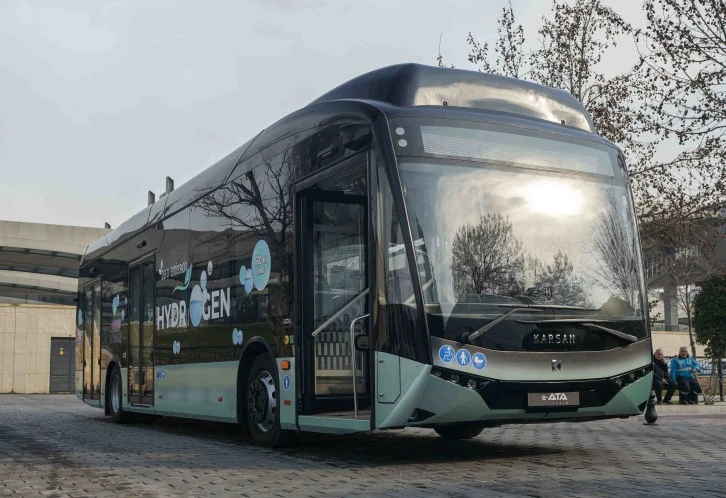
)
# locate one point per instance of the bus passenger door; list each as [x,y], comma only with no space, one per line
[92,341]
[333,235]
[142,280]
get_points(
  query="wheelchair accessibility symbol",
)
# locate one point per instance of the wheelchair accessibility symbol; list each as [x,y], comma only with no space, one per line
[446,353]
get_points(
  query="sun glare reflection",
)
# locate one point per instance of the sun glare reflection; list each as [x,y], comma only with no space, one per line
[556,199]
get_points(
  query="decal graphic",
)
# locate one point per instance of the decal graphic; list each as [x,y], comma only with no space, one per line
[237,337]
[187,279]
[176,347]
[195,306]
[446,353]
[479,361]
[79,317]
[204,303]
[261,264]
[463,357]
[286,382]
[115,336]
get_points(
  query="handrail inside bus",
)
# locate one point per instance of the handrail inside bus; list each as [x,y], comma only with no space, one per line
[340,312]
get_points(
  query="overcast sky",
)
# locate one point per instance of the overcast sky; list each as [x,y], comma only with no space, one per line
[100,101]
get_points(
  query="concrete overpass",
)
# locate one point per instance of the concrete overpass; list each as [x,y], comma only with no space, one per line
[39,262]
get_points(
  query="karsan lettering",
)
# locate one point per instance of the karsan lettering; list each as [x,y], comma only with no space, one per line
[553,338]
[215,304]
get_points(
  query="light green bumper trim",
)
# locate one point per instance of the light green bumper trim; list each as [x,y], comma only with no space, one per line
[333,425]
[288,413]
[413,378]
[454,403]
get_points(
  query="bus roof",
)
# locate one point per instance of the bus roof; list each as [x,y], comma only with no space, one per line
[402,85]
[407,85]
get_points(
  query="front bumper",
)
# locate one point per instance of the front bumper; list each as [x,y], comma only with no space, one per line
[444,402]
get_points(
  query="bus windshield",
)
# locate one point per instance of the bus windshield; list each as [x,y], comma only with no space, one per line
[504,220]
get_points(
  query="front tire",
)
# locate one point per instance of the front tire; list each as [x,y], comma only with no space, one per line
[464,431]
[262,397]
[115,397]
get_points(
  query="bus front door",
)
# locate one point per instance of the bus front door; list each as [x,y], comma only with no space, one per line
[142,279]
[333,236]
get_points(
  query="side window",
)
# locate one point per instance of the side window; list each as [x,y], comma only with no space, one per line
[173,287]
[115,310]
[398,325]
[320,148]
[258,208]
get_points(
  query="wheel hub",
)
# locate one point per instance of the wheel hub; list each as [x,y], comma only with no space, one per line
[115,394]
[262,401]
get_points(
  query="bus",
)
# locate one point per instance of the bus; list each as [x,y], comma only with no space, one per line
[419,247]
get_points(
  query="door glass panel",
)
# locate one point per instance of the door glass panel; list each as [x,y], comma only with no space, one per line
[134,330]
[339,276]
[88,342]
[147,332]
[96,343]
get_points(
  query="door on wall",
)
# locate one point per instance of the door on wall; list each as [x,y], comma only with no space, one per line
[92,341]
[142,281]
[62,364]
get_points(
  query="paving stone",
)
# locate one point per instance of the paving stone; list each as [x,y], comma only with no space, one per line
[55,445]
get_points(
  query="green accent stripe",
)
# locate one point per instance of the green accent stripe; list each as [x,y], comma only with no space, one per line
[333,425]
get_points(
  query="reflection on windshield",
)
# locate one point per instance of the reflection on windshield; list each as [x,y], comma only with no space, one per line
[509,235]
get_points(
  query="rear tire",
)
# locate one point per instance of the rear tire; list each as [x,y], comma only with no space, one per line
[261,404]
[115,398]
[465,431]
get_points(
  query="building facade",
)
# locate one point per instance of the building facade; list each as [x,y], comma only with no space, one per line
[38,283]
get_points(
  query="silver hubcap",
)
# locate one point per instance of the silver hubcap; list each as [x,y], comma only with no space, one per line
[262,401]
[115,394]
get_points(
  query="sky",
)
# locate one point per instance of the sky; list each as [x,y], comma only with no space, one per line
[100,101]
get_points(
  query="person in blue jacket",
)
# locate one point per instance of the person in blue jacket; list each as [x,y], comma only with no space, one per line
[683,371]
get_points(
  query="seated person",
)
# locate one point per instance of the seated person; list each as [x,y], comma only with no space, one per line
[683,371]
[661,378]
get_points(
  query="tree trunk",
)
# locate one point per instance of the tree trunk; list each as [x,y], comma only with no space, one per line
[690,336]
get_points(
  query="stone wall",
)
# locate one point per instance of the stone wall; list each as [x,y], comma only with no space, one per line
[25,333]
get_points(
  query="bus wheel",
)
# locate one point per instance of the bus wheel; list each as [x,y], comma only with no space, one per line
[263,414]
[115,396]
[465,431]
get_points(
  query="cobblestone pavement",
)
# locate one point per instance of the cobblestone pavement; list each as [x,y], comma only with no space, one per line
[56,446]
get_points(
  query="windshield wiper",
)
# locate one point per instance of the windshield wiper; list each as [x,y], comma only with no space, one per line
[589,324]
[548,307]
[490,325]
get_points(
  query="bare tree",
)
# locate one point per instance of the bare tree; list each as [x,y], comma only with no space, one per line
[680,78]
[487,257]
[688,257]
[557,281]
[615,245]
[259,205]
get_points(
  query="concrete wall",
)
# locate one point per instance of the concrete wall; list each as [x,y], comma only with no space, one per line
[25,332]
[670,342]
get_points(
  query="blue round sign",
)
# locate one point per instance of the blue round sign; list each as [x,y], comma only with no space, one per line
[479,361]
[446,353]
[463,357]
[261,265]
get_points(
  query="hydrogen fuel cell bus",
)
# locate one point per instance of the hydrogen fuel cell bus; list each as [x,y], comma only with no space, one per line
[420,246]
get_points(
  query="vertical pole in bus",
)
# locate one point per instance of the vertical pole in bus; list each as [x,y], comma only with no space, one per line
[352,362]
